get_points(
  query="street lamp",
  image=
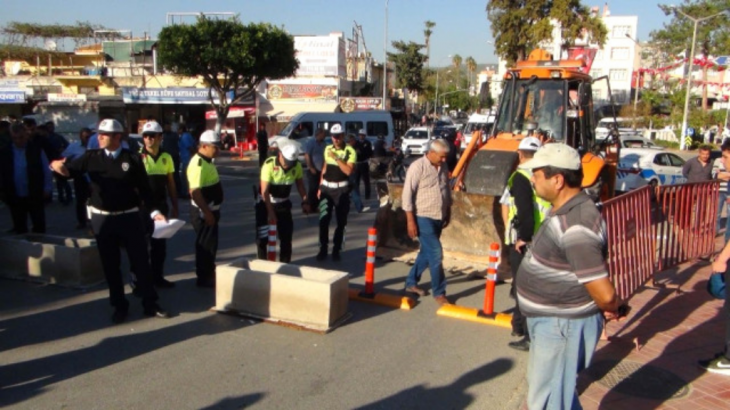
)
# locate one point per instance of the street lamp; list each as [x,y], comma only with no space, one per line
[696,21]
[636,89]
[385,56]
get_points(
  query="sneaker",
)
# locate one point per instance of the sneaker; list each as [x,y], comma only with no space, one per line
[719,365]
[322,255]
[364,209]
[522,345]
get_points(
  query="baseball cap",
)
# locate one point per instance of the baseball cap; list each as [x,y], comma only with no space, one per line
[529,144]
[336,129]
[110,125]
[151,127]
[554,155]
[210,137]
[362,132]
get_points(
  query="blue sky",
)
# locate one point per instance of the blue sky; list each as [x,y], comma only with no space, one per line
[461,25]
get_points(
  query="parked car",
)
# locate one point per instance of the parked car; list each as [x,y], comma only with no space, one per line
[477,122]
[625,128]
[415,141]
[638,167]
[638,142]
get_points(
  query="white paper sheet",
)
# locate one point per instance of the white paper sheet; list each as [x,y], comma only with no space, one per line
[165,230]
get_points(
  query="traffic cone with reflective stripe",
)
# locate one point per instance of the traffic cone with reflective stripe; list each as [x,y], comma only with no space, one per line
[272,243]
[370,261]
[494,257]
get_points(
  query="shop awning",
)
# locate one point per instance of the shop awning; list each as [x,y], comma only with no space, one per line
[233,112]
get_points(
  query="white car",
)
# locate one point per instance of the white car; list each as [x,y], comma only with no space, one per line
[638,167]
[477,122]
[625,128]
[415,141]
[638,142]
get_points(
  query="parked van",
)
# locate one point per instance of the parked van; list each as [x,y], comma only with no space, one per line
[477,122]
[306,124]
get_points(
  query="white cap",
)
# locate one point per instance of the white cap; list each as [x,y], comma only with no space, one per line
[362,132]
[110,125]
[556,155]
[290,152]
[209,137]
[336,129]
[529,144]
[151,127]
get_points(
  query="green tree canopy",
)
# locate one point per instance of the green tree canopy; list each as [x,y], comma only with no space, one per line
[232,58]
[519,26]
[409,65]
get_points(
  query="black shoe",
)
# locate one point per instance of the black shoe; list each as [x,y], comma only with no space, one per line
[322,255]
[164,283]
[336,256]
[521,345]
[206,283]
[156,311]
[119,315]
[518,333]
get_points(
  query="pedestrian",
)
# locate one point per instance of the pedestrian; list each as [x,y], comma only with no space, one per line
[334,193]
[314,157]
[563,284]
[525,213]
[721,362]
[119,189]
[364,153]
[278,175]
[427,202]
[262,143]
[59,144]
[724,176]
[25,181]
[187,146]
[80,180]
[171,145]
[206,192]
[699,168]
[160,168]
[354,177]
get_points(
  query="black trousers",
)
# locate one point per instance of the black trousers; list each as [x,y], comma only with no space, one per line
[337,200]
[21,208]
[128,230]
[284,232]
[312,188]
[206,244]
[81,190]
[363,173]
[63,188]
[263,153]
[176,175]
[519,322]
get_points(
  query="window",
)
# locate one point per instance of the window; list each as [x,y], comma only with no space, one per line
[353,127]
[663,160]
[295,130]
[676,161]
[596,72]
[620,53]
[377,128]
[599,55]
[618,74]
[620,31]
[326,125]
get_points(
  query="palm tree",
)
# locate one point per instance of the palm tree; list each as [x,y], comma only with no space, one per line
[427,32]
[471,67]
[456,61]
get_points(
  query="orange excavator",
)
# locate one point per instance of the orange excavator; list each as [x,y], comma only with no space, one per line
[542,97]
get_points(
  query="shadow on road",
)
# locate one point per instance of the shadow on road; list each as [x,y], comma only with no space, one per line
[235,403]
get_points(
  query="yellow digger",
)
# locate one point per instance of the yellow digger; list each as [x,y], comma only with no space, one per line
[550,99]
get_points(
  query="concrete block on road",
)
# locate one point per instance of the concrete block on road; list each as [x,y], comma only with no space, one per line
[312,298]
[71,262]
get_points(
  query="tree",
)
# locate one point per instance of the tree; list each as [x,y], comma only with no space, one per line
[231,57]
[408,65]
[456,61]
[471,68]
[713,35]
[518,26]
[427,33]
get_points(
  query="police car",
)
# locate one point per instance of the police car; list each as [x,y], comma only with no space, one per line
[638,167]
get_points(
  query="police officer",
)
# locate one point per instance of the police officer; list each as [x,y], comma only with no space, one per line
[525,212]
[278,174]
[206,192]
[364,153]
[339,162]
[160,168]
[119,189]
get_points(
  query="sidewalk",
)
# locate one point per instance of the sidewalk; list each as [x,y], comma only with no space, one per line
[673,330]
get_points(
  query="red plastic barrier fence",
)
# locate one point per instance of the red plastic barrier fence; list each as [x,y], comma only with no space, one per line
[630,238]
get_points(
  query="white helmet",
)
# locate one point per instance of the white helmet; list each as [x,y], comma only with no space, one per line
[210,137]
[110,126]
[290,152]
[336,129]
[151,127]
[362,132]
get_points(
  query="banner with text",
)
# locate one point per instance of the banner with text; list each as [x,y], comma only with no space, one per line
[302,92]
[320,56]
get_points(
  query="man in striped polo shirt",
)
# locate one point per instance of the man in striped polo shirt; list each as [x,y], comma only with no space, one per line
[562,286]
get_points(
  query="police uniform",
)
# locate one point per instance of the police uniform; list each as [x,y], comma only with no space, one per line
[280,182]
[119,187]
[334,193]
[202,174]
[158,168]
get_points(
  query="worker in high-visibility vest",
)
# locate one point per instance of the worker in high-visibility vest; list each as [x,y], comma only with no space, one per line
[523,212]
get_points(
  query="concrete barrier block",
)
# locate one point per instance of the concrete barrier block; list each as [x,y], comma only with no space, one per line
[309,297]
[72,262]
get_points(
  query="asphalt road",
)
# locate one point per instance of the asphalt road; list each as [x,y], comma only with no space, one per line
[58,349]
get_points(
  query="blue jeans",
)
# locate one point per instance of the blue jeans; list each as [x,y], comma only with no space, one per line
[560,349]
[430,255]
[722,205]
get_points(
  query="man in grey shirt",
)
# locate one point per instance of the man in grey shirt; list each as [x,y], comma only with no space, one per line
[314,155]
[427,202]
[699,168]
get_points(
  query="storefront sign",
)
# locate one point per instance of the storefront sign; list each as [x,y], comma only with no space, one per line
[302,92]
[56,97]
[136,95]
[350,104]
[12,97]
[320,56]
